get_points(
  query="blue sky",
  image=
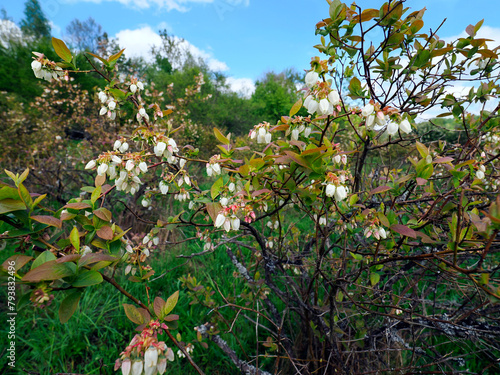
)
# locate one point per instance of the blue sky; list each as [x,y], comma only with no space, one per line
[241,38]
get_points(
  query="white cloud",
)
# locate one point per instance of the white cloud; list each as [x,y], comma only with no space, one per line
[242,86]
[134,42]
[56,30]
[486,32]
[179,5]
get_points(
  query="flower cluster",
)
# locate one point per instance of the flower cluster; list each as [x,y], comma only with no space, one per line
[135,85]
[108,105]
[334,186]
[323,106]
[45,69]
[166,148]
[227,218]
[213,166]
[145,354]
[261,132]
[375,231]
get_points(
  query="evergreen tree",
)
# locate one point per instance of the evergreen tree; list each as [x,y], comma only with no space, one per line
[35,22]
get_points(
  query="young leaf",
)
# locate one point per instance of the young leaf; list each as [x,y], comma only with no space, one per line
[49,220]
[158,305]
[296,107]
[62,50]
[133,314]
[170,304]
[74,237]
[116,56]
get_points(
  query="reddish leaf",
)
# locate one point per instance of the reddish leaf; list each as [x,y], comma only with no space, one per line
[50,270]
[145,314]
[68,258]
[380,189]
[421,181]
[49,220]
[259,192]
[213,210]
[158,306]
[171,318]
[19,261]
[403,230]
[103,214]
[106,233]
[445,159]
[78,205]
[133,314]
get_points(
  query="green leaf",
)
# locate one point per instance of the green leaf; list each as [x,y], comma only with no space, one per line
[214,190]
[116,56]
[95,194]
[23,176]
[38,200]
[68,305]
[220,137]
[25,195]
[296,107]
[105,62]
[374,278]
[103,214]
[170,304]
[133,314]
[74,237]
[87,278]
[62,50]
[9,205]
[42,258]
[422,149]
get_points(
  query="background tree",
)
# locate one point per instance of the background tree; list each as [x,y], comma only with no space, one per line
[35,23]
[84,35]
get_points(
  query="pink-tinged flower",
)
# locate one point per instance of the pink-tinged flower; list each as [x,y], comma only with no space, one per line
[130,165]
[170,354]
[311,78]
[162,365]
[392,128]
[126,366]
[380,118]
[405,126]
[367,110]
[227,225]
[137,367]
[90,165]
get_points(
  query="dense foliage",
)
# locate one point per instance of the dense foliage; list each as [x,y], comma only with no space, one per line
[339,235]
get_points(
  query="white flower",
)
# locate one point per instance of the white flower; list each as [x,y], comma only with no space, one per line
[253,134]
[160,148]
[330,190]
[112,105]
[102,97]
[340,193]
[117,144]
[337,159]
[124,147]
[130,165]
[224,201]
[163,187]
[313,107]
[137,368]
[90,164]
[227,225]
[150,358]
[145,240]
[133,88]
[334,97]
[311,78]
[140,85]
[116,159]
[85,250]
[405,126]
[267,138]
[182,163]
[382,233]
[370,120]
[307,101]
[480,174]
[232,187]
[162,366]
[103,111]
[323,107]
[295,134]
[219,221]
[101,170]
[143,167]
[112,171]
[392,128]
[187,180]
[322,220]
[112,115]
[235,223]
[428,159]
[367,110]
[146,202]
[142,112]
[307,132]
[36,65]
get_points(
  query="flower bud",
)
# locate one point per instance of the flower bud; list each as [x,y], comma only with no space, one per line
[137,368]
[90,165]
[392,128]
[133,88]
